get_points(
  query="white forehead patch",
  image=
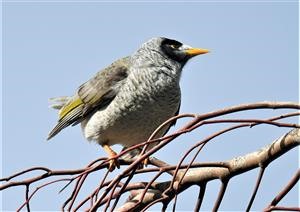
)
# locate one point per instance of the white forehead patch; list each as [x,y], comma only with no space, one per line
[184,47]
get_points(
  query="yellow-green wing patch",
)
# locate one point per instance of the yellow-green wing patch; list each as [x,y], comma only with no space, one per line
[69,107]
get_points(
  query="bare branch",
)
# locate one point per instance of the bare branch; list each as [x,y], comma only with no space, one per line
[238,165]
[221,194]
[143,195]
[258,181]
[286,189]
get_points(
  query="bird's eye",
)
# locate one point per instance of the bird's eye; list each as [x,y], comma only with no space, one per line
[173,46]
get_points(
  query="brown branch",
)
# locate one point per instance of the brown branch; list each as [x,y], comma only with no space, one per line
[282,208]
[238,165]
[202,143]
[144,195]
[286,189]
[258,181]
[49,173]
[200,198]
[220,195]
[156,148]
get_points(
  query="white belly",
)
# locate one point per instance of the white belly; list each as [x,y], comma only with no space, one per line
[131,123]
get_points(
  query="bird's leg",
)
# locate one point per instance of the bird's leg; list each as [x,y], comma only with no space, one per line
[146,162]
[113,162]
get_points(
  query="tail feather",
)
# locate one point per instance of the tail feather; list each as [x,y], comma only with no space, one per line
[58,102]
[66,121]
[56,129]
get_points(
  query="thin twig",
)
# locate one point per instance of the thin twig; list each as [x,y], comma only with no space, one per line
[221,194]
[200,198]
[258,181]
[285,191]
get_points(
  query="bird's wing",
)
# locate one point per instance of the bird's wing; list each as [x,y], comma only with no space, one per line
[94,94]
[173,122]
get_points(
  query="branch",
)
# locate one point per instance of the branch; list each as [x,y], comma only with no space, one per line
[145,194]
[272,206]
[198,176]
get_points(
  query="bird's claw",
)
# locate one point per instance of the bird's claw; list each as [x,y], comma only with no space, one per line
[144,163]
[113,163]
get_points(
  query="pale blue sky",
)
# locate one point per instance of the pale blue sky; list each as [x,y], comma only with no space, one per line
[49,49]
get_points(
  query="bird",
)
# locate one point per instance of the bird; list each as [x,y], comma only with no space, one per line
[126,101]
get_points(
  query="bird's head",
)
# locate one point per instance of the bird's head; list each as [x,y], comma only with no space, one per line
[172,49]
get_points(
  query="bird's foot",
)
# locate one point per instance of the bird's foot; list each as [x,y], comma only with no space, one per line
[144,163]
[113,161]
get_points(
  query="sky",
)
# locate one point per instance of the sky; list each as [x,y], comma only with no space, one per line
[51,48]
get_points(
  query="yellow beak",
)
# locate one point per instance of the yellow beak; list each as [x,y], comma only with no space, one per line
[196,51]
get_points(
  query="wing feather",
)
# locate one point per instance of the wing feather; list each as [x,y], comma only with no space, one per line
[174,122]
[93,95]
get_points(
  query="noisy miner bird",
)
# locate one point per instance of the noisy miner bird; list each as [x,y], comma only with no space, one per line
[125,102]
